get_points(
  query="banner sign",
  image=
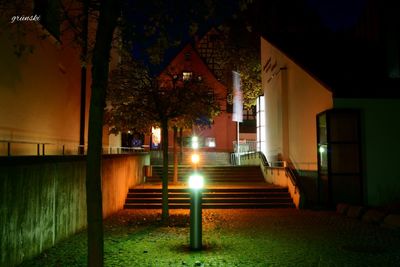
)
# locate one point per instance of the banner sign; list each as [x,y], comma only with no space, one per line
[237,98]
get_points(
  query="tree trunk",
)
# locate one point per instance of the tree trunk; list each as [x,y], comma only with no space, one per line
[180,146]
[175,155]
[164,137]
[109,12]
[84,63]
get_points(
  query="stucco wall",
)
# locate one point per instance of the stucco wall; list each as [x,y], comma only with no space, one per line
[43,199]
[292,100]
[380,147]
[40,92]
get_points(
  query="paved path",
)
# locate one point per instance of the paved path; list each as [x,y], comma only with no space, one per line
[309,238]
[277,237]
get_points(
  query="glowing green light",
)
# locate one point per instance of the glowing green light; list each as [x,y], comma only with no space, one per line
[196,181]
[195,142]
[322,149]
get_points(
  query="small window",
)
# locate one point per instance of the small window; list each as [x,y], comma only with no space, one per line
[187,75]
[210,142]
[187,56]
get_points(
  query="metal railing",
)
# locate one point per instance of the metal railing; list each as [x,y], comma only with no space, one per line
[245,146]
[122,150]
[288,166]
[26,148]
[293,178]
[293,175]
[22,148]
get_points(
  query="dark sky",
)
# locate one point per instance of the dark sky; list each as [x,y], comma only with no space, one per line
[172,21]
[338,14]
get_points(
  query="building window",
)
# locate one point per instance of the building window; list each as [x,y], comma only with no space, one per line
[155,138]
[261,131]
[210,142]
[187,75]
[187,56]
[49,12]
[249,114]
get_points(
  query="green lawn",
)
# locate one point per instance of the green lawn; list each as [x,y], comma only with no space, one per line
[234,238]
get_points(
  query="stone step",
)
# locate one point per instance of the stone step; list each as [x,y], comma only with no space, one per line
[230,187]
[233,198]
[213,206]
[213,195]
[207,158]
[207,190]
[213,174]
[211,180]
[211,200]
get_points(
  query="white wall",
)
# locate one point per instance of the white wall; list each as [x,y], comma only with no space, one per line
[292,100]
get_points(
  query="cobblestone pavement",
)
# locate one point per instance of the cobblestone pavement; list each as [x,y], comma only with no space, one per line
[276,237]
[309,238]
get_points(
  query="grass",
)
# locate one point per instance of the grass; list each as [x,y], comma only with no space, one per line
[232,238]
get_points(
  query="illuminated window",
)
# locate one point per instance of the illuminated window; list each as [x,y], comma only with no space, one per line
[187,75]
[261,130]
[155,137]
[210,142]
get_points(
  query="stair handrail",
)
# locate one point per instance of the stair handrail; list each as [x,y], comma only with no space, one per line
[293,175]
[250,155]
[292,178]
[263,159]
[290,172]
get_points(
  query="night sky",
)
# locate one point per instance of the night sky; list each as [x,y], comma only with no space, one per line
[338,14]
[339,42]
[176,20]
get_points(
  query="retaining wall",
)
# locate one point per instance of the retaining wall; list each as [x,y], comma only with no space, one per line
[43,199]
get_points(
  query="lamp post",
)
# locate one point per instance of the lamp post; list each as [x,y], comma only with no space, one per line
[196,183]
[195,160]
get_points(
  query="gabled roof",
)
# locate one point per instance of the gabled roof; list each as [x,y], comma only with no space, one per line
[198,63]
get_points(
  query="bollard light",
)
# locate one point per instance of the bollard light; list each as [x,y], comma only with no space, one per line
[196,183]
[195,142]
[195,158]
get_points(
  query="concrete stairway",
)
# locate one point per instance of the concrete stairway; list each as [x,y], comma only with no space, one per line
[213,198]
[207,158]
[227,187]
[213,174]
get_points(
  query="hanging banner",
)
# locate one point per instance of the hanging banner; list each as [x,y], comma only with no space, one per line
[237,98]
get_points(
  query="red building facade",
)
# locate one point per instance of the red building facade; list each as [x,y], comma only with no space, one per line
[222,132]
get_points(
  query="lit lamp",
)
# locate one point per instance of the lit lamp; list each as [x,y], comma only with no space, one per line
[196,183]
[195,160]
[195,142]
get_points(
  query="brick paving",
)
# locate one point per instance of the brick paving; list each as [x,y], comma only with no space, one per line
[275,237]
